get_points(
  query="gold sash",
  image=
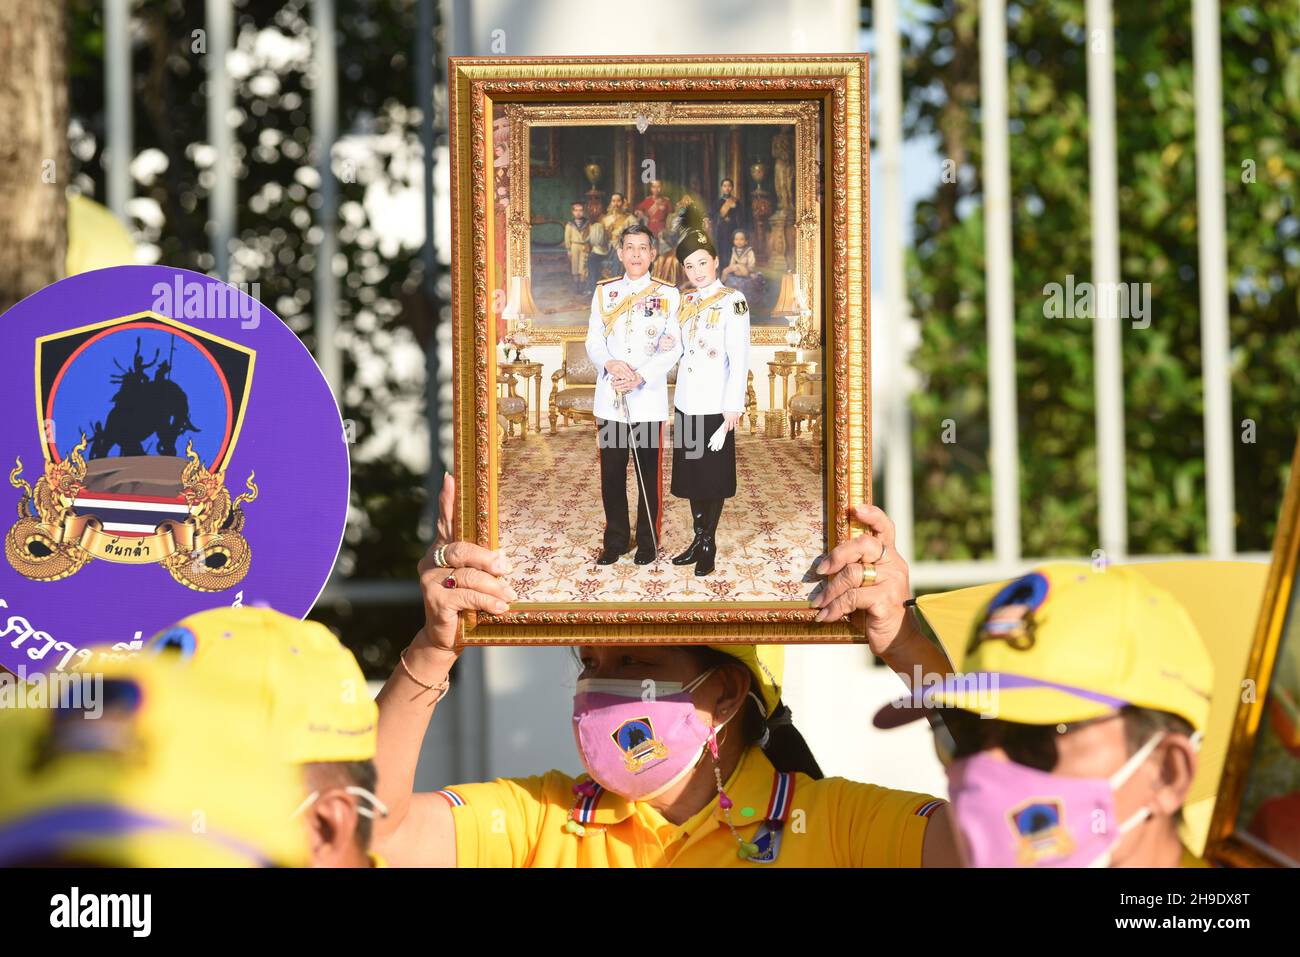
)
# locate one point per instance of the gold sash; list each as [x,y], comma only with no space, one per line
[612,316]
[691,310]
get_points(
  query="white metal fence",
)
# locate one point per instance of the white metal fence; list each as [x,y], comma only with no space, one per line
[892,427]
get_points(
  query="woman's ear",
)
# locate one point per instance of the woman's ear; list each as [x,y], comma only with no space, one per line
[733,687]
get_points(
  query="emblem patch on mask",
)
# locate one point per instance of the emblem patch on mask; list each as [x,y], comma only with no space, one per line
[1039,828]
[641,749]
[1010,615]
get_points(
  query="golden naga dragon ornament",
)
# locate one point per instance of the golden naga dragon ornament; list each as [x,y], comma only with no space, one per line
[52,539]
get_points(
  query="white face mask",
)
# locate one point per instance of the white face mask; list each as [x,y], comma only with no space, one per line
[647,689]
[1117,781]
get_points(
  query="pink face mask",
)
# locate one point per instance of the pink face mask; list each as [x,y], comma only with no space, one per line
[637,738]
[1016,816]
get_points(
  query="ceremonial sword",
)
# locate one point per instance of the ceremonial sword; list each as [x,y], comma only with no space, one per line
[636,464]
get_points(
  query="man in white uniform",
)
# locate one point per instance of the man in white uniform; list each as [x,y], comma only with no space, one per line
[634,340]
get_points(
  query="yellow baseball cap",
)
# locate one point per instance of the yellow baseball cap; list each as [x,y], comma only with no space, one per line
[1068,642]
[766,663]
[145,765]
[1221,598]
[310,693]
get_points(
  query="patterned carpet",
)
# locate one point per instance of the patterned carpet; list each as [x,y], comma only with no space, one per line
[551,522]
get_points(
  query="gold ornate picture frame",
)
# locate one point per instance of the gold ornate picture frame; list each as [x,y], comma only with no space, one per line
[1257,813]
[824,100]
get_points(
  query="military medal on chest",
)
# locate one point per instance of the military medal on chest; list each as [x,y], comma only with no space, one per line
[651,333]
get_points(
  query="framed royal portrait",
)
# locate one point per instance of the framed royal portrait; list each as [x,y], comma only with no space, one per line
[668,308]
[1257,814]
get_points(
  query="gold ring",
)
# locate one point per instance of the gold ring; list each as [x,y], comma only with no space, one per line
[869,579]
[440,556]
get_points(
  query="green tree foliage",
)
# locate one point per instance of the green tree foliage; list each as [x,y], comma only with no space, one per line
[1155,113]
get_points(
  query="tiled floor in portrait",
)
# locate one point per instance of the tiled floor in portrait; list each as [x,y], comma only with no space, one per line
[551,523]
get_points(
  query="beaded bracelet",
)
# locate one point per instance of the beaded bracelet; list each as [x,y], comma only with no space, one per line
[442,687]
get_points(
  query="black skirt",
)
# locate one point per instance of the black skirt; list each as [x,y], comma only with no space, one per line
[698,471]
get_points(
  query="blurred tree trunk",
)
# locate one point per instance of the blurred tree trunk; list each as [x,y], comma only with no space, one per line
[33,147]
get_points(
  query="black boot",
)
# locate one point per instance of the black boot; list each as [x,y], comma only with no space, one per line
[609,555]
[692,552]
[645,554]
[709,540]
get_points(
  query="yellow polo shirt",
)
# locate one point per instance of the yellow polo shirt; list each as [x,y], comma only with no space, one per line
[520,822]
[1191,860]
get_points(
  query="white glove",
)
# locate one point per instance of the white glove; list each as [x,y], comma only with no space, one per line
[720,436]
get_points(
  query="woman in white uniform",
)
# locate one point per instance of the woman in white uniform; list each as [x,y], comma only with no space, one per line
[710,395]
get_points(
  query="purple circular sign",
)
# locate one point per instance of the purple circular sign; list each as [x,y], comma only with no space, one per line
[169,446]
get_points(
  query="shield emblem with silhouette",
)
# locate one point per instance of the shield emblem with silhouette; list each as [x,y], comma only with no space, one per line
[138,418]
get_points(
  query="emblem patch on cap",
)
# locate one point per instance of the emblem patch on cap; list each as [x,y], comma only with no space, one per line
[79,730]
[1010,615]
[174,641]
